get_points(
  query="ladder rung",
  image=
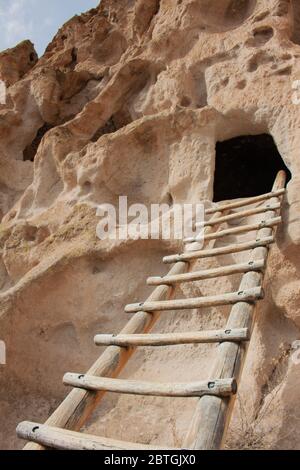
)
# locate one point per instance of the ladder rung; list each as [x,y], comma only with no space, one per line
[225,250]
[245,202]
[237,215]
[171,339]
[219,387]
[236,230]
[63,439]
[249,295]
[207,273]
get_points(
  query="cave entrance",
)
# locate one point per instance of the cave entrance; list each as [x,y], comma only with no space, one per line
[296,21]
[246,166]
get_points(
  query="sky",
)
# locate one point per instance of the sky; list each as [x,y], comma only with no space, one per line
[37,20]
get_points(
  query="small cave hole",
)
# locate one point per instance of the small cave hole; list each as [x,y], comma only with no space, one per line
[86,187]
[185,101]
[241,84]
[246,166]
[119,120]
[252,65]
[261,58]
[224,15]
[170,199]
[108,128]
[225,81]
[296,21]
[260,36]
[238,10]
[74,56]
[30,233]
[284,71]
[32,57]
[97,268]
[31,149]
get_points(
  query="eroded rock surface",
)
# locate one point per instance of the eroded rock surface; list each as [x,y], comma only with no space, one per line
[130,99]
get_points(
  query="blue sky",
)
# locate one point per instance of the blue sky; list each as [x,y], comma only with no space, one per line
[37,20]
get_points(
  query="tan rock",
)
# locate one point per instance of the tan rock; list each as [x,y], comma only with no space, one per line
[131,100]
[16,62]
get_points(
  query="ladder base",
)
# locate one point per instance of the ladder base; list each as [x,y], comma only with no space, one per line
[63,439]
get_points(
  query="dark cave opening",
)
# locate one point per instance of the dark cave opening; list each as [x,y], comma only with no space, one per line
[31,149]
[246,166]
[296,21]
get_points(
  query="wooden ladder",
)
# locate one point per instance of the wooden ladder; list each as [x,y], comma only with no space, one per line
[216,395]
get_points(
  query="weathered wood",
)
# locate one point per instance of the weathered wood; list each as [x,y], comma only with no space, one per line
[224,250]
[171,339]
[212,413]
[63,439]
[238,215]
[237,230]
[222,387]
[248,295]
[244,202]
[258,265]
[79,404]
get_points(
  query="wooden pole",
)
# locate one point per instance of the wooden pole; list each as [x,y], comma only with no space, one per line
[171,339]
[240,214]
[244,202]
[223,387]
[63,439]
[212,413]
[258,265]
[246,295]
[224,250]
[237,230]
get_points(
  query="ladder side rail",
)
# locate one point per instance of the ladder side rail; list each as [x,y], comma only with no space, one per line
[212,414]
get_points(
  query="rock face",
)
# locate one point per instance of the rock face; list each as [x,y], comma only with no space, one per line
[16,62]
[130,99]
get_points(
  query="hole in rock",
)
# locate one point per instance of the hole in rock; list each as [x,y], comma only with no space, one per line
[185,101]
[226,14]
[296,21]
[260,36]
[246,166]
[285,71]
[74,56]
[86,187]
[31,149]
[33,57]
[261,58]
[241,84]
[238,10]
[30,233]
[120,119]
